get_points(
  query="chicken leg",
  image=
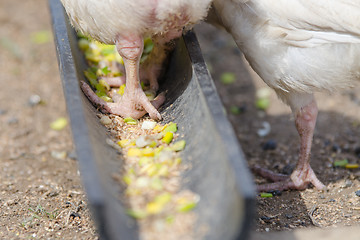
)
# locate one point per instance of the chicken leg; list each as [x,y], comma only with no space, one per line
[134,102]
[305,120]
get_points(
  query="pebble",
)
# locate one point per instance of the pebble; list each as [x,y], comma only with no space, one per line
[74,215]
[275,192]
[72,155]
[2,111]
[266,219]
[326,142]
[105,120]
[13,120]
[348,183]
[53,194]
[34,100]
[269,145]
[336,148]
[238,109]
[265,130]
[357,193]
[357,151]
[113,145]
[59,155]
[288,169]
[288,215]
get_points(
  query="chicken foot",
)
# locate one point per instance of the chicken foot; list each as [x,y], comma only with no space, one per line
[303,174]
[134,102]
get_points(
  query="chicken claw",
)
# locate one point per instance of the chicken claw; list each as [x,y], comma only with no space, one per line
[133,105]
[296,181]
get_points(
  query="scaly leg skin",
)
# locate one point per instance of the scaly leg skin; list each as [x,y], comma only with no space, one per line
[134,102]
[303,175]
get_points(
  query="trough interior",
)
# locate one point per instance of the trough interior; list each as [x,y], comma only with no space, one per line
[218,173]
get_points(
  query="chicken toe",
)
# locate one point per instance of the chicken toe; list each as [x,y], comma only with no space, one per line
[134,105]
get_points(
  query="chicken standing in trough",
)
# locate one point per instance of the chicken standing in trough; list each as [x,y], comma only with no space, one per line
[126,23]
[297,47]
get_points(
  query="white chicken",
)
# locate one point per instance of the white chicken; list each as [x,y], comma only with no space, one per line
[297,47]
[126,23]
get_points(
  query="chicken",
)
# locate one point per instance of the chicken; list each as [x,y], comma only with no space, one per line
[298,47]
[126,23]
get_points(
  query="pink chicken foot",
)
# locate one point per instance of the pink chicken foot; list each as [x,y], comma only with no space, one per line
[134,102]
[303,174]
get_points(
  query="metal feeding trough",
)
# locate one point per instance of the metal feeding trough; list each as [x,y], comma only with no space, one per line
[219,172]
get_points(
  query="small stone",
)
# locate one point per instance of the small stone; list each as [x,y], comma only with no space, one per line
[265,130]
[237,109]
[288,215]
[276,192]
[288,169]
[269,145]
[348,183]
[332,200]
[13,120]
[53,194]
[105,120]
[59,155]
[74,215]
[336,148]
[34,100]
[266,219]
[326,142]
[2,111]
[357,151]
[72,155]
[357,193]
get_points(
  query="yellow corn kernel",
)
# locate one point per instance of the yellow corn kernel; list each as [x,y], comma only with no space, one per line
[154,208]
[352,166]
[178,146]
[168,137]
[148,152]
[123,143]
[130,120]
[171,127]
[158,128]
[122,89]
[103,83]
[134,152]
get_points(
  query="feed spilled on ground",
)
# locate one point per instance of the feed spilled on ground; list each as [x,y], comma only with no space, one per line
[152,162]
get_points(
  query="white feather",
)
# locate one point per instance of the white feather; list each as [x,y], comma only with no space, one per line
[105,20]
[297,47]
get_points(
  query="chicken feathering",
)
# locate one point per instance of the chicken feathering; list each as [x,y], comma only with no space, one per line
[297,47]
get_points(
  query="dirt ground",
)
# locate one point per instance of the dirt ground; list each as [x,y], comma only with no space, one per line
[336,138]
[41,192]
